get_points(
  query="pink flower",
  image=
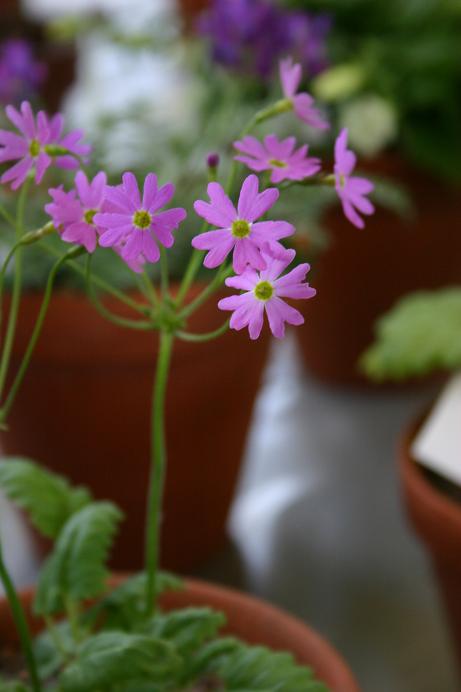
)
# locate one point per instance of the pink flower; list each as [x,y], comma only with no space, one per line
[136,225]
[278,156]
[38,143]
[237,229]
[303,103]
[263,293]
[351,190]
[73,212]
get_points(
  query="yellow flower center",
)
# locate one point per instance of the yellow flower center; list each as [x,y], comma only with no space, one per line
[241,228]
[89,215]
[278,163]
[264,290]
[34,148]
[142,219]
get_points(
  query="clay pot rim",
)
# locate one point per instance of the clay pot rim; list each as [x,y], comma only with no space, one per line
[324,656]
[432,501]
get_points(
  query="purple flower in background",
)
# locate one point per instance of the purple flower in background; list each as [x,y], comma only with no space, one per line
[237,229]
[263,293]
[351,189]
[39,143]
[252,35]
[245,34]
[303,103]
[21,74]
[278,156]
[73,212]
[306,40]
[136,226]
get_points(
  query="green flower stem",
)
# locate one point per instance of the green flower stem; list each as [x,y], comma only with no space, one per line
[158,468]
[143,325]
[148,287]
[7,216]
[213,286]
[191,270]
[209,336]
[21,624]
[27,239]
[5,409]
[164,279]
[99,282]
[16,292]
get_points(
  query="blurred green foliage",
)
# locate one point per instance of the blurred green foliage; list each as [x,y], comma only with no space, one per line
[408,53]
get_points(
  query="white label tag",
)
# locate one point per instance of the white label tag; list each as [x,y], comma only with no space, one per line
[438,443]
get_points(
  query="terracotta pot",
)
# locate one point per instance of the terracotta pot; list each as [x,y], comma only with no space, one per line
[364,272]
[436,517]
[249,619]
[84,411]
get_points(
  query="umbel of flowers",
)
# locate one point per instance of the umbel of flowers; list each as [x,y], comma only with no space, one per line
[125,642]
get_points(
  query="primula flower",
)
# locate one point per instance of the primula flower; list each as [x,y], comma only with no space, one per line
[263,293]
[237,229]
[351,190]
[278,156]
[303,103]
[73,212]
[135,225]
[39,142]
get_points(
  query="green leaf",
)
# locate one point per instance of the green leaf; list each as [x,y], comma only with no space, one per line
[187,629]
[112,658]
[245,668]
[124,607]
[76,569]
[52,647]
[46,497]
[420,334]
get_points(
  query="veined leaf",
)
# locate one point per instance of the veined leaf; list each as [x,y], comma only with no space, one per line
[111,658]
[251,668]
[76,569]
[48,498]
[420,334]
[124,607]
[187,629]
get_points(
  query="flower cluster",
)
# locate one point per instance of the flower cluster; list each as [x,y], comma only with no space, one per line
[134,223]
[20,73]
[252,35]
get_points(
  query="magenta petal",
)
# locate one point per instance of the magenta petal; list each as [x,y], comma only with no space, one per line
[42,163]
[208,212]
[218,253]
[221,202]
[245,282]
[150,190]
[150,248]
[248,195]
[305,110]
[271,230]
[233,302]
[131,188]
[18,172]
[290,76]
[162,197]
[208,240]
[114,236]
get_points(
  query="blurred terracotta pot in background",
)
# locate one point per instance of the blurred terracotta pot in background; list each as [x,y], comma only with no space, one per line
[436,517]
[249,619]
[84,411]
[363,272]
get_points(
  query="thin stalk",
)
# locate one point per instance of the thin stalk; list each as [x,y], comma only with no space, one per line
[213,286]
[21,625]
[5,409]
[7,216]
[164,279]
[208,336]
[16,292]
[149,289]
[102,284]
[143,325]
[191,270]
[158,469]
